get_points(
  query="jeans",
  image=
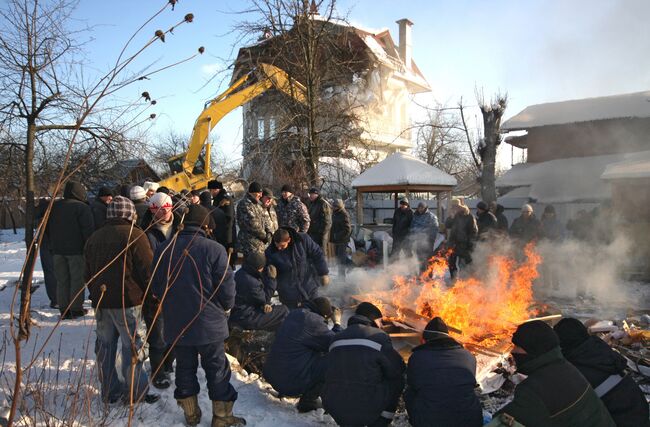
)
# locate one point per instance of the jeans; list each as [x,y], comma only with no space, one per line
[111,327]
[215,365]
[69,271]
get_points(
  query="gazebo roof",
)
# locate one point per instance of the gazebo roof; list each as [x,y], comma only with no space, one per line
[403,171]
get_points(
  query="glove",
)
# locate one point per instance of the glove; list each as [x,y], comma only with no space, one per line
[271,271]
[336,314]
[268,308]
[325,280]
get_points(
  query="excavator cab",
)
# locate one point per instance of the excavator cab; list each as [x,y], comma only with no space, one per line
[176,165]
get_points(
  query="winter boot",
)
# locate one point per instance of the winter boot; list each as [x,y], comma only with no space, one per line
[308,404]
[191,409]
[222,415]
[160,378]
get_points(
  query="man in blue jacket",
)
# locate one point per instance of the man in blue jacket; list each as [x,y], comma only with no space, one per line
[298,260]
[365,375]
[255,288]
[296,364]
[195,286]
[441,381]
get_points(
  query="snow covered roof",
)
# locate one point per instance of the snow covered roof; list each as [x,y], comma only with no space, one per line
[637,167]
[403,169]
[570,180]
[581,110]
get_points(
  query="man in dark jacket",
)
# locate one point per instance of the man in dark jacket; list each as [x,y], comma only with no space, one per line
[554,394]
[441,382]
[461,238]
[298,260]
[98,206]
[291,211]
[195,285]
[253,309]
[485,220]
[320,219]
[553,232]
[526,227]
[502,222]
[225,227]
[340,234]
[423,233]
[296,364]
[402,219]
[46,256]
[69,226]
[118,262]
[139,198]
[365,375]
[604,368]
[254,232]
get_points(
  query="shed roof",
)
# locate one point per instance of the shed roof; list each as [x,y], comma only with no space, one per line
[630,105]
[401,169]
[638,167]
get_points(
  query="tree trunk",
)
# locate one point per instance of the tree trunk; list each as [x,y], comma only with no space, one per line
[488,179]
[32,249]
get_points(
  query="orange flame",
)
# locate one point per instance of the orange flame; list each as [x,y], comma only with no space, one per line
[486,310]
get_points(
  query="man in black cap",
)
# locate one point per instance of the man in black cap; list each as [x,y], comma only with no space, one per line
[268,202]
[604,368]
[441,381]
[225,230]
[485,220]
[554,392]
[296,364]
[291,211]
[254,232]
[402,219]
[195,299]
[364,378]
[99,205]
[320,219]
[255,287]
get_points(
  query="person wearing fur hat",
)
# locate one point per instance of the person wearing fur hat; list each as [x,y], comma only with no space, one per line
[255,286]
[254,230]
[365,374]
[296,364]
[604,368]
[196,288]
[320,218]
[292,212]
[554,393]
[118,281]
[98,206]
[441,381]
[150,188]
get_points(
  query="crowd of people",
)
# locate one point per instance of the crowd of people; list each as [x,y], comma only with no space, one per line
[159,271]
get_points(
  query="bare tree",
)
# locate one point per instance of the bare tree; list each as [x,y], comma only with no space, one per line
[492,113]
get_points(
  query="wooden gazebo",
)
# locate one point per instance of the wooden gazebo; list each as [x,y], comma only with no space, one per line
[403,173]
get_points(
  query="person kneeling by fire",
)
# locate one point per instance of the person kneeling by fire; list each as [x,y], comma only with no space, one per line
[365,375]
[255,288]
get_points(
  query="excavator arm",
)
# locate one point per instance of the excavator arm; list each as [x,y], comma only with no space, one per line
[245,89]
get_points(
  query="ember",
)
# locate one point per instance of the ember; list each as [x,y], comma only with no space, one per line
[484,311]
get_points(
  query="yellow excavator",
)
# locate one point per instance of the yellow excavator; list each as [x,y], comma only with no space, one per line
[191,169]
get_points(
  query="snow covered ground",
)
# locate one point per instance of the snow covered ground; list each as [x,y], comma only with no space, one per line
[63,382]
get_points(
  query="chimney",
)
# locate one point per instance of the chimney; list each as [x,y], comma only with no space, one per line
[405,41]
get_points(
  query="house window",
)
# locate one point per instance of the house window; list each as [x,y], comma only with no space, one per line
[272,129]
[260,128]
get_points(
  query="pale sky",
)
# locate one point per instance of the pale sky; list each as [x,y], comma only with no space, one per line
[535,50]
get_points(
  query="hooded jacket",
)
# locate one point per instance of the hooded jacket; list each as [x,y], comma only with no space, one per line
[362,366]
[71,221]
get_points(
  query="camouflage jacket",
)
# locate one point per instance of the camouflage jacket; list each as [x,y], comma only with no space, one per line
[272,219]
[294,214]
[254,234]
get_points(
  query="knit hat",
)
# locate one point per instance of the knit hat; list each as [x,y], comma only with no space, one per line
[423,205]
[286,187]
[314,190]
[159,201]
[205,198]
[121,207]
[368,310]
[322,306]
[482,205]
[163,190]
[137,193]
[215,185]
[535,337]
[148,185]
[571,333]
[254,187]
[404,201]
[104,191]
[267,192]
[435,329]
[526,208]
[196,215]
[255,260]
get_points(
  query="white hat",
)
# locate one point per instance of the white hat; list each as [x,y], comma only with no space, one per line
[137,193]
[160,200]
[148,185]
[526,208]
